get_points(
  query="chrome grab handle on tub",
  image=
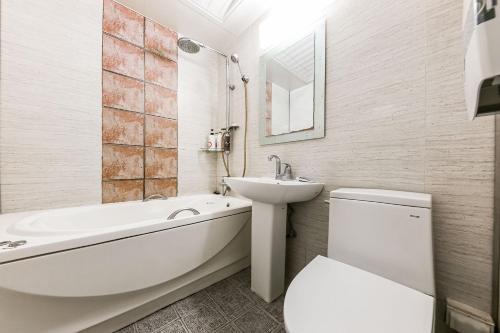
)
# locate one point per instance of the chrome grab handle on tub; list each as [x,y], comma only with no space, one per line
[174,214]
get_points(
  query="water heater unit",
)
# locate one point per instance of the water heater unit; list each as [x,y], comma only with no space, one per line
[481,26]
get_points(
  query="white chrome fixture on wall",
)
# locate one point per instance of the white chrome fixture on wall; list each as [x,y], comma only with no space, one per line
[481,27]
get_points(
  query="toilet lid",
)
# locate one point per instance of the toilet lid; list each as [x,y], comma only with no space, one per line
[329,296]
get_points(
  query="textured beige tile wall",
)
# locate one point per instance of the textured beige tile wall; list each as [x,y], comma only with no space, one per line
[459,165]
[395,119]
[50,86]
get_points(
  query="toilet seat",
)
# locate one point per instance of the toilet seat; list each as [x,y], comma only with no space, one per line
[330,296]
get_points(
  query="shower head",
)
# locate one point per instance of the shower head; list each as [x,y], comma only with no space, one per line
[236,59]
[189,45]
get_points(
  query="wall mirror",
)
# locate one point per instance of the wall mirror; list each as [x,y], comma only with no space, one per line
[292,90]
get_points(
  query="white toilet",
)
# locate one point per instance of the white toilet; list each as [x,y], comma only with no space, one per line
[379,276]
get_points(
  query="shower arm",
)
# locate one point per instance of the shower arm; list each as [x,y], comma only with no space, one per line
[213,50]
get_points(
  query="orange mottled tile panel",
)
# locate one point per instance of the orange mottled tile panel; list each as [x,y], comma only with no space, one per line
[122,190]
[160,40]
[161,71]
[161,132]
[123,22]
[139,97]
[122,92]
[122,162]
[122,57]
[166,187]
[122,127]
[160,101]
[161,163]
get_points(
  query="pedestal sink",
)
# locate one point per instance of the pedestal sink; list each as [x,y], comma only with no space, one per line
[269,207]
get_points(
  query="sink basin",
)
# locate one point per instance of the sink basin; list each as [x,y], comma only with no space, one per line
[269,208]
[272,191]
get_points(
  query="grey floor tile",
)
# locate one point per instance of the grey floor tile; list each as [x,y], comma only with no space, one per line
[174,327]
[231,328]
[243,278]
[192,303]
[156,320]
[279,329]
[229,298]
[204,319]
[228,306]
[253,296]
[256,321]
[275,308]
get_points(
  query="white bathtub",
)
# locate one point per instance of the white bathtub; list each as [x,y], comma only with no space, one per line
[98,268]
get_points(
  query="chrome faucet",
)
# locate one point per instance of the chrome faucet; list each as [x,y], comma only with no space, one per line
[155,197]
[278,164]
[225,188]
[287,173]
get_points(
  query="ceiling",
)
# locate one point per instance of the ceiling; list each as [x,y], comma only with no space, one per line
[217,9]
[217,23]
[299,58]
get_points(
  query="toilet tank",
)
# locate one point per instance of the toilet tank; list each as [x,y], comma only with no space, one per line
[388,233]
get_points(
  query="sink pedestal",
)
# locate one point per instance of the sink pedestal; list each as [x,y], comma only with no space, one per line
[268,249]
[270,198]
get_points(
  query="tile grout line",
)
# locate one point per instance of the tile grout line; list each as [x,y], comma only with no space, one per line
[259,307]
[114,108]
[218,308]
[209,300]
[144,107]
[181,318]
[233,320]
[159,329]
[151,83]
[143,47]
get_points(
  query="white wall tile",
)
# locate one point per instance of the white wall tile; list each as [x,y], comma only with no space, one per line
[198,98]
[50,131]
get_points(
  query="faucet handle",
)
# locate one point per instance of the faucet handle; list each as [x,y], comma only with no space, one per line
[287,173]
[270,157]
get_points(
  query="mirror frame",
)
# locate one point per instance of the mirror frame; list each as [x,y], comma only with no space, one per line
[318,131]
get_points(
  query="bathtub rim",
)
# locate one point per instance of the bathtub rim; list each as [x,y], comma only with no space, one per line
[39,245]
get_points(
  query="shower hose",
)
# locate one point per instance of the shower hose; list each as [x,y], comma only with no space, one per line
[226,162]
